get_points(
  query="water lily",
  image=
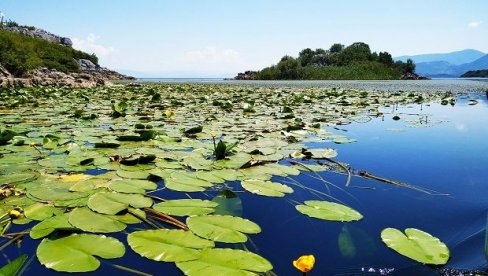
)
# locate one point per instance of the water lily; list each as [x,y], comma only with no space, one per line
[169,113]
[16,213]
[304,263]
[213,135]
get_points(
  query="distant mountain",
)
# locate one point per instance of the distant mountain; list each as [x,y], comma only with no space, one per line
[455,58]
[446,69]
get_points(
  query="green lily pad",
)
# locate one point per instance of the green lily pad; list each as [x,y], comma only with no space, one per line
[167,245]
[185,182]
[186,207]
[49,225]
[17,178]
[76,253]
[224,261]
[328,211]
[40,211]
[266,188]
[219,228]
[132,186]
[417,245]
[14,267]
[89,221]
[111,203]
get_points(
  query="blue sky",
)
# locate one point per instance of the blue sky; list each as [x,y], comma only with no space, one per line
[218,38]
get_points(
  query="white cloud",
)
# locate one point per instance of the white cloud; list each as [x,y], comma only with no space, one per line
[90,45]
[213,55]
[475,24]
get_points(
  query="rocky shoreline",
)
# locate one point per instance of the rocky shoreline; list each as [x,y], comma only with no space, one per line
[91,75]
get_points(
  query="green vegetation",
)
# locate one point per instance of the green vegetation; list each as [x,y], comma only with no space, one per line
[167,150]
[476,74]
[355,61]
[20,53]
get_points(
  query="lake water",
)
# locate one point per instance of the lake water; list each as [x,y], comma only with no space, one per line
[434,85]
[447,153]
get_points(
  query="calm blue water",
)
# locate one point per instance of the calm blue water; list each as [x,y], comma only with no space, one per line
[450,156]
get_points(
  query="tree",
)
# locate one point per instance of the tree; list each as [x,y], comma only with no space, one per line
[288,68]
[336,48]
[410,66]
[385,58]
[306,56]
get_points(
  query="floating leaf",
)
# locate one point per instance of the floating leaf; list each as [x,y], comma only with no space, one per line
[328,211]
[40,211]
[186,207]
[48,226]
[76,253]
[186,182]
[417,245]
[222,228]
[224,261]
[14,267]
[111,203]
[266,188]
[167,245]
[17,178]
[89,221]
[132,186]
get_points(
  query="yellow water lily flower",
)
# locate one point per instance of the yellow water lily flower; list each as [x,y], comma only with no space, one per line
[16,213]
[213,134]
[169,113]
[304,263]
[31,144]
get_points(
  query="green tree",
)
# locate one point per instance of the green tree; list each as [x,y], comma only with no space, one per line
[385,58]
[288,67]
[410,66]
[306,56]
[336,48]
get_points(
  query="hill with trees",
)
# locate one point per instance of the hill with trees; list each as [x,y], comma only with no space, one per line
[354,62]
[476,74]
[21,53]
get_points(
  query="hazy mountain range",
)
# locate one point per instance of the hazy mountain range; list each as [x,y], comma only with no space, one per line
[451,64]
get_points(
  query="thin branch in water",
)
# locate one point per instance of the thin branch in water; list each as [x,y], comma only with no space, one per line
[166,218]
[401,184]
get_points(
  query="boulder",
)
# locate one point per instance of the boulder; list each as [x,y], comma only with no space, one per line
[40,33]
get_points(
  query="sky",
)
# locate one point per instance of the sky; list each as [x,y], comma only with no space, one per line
[219,38]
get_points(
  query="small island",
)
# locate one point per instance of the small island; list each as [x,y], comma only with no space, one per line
[476,74]
[354,62]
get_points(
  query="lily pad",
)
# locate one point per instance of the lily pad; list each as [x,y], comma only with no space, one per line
[186,207]
[40,211]
[132,186]
[111,203]
[89,221]
[167,245]
[48,226]
[417,245]
[224,261]
[76,253]
[328,211]
[227,229]
[266,188]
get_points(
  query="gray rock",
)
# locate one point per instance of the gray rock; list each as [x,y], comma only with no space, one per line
[87,65]
[4,73]
[40,33]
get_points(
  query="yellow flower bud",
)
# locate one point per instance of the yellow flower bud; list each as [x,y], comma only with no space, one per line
[213,134]
[15,214]
[304,263]
[31,144]
[169,113]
